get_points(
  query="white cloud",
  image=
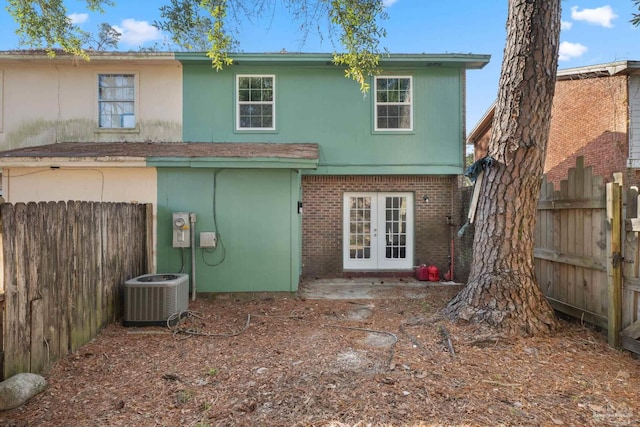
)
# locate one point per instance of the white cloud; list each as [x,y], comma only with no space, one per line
[570,50]
[389,3]
[136,33]
[566,25]
[598,16]
[78,18]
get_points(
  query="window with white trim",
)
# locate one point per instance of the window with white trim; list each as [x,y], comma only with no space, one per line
[255,102]
[393,103]
[116,101]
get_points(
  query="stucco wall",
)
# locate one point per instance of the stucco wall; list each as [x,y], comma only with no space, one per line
[131,185]
[91,183]
[56,101]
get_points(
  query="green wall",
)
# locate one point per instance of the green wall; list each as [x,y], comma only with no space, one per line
[256,220]
[318,104]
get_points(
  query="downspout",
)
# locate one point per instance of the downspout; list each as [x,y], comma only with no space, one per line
[192,220]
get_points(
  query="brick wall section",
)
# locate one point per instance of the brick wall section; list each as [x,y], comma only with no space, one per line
[322,220]
[463,244]
[482,145]
[589,118]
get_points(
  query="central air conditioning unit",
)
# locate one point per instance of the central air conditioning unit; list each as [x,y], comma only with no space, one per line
[152,298]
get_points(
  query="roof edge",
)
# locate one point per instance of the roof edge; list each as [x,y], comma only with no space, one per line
[599,70]
[483,124]
[32,55]
[471,61]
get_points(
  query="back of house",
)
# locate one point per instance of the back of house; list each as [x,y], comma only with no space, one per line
[288,169]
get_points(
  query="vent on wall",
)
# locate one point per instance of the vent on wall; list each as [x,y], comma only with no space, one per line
[152,298]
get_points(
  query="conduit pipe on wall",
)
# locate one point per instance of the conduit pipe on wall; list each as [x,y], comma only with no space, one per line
[192,220]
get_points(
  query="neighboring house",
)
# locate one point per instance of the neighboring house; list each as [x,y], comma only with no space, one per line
[115,97]
[595,114]
[296,171]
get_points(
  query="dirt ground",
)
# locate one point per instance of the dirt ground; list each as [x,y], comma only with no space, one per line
[295,362]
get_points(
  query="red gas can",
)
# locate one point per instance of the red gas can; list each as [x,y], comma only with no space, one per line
[421,272]
[433,273]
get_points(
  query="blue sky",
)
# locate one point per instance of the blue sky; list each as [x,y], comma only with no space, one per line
[593,32]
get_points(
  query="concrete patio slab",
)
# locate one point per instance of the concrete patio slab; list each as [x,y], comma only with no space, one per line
[365,288]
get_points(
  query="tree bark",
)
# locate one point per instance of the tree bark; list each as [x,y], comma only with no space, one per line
[502,290]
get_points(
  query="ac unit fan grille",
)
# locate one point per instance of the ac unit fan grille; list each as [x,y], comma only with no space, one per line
[154,303]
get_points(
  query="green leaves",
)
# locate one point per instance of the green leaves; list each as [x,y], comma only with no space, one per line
[200,25]
[220,42]
[635,17]
[44,24]
[184,20]
[361,34]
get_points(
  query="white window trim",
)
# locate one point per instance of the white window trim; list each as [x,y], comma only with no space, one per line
[375,104]
[377,261]
[272,103]
[136,100]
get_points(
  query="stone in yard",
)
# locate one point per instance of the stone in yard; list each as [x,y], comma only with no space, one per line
[19,388]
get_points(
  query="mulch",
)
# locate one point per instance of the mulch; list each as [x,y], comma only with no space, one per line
[293,362]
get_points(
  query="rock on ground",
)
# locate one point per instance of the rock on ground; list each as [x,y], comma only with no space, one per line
[19,388]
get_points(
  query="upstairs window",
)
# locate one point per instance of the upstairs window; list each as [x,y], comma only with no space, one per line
[393,103]
[256,102]
[116,101]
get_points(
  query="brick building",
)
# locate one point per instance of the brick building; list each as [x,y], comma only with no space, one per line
[595,114]
[322,254]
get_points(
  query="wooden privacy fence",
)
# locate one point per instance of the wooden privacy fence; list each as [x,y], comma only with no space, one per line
[61,270]
[586,253]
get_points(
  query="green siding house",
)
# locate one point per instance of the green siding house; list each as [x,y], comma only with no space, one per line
[375,201]
[283,171]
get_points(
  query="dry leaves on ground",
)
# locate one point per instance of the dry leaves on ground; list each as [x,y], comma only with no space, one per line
[335,363]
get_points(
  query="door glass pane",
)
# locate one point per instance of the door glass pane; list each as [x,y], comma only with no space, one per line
[396,227]
[360,227]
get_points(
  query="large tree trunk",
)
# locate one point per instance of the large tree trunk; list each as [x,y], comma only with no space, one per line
[502,289]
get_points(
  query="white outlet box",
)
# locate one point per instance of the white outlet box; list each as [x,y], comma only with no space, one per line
[208,239]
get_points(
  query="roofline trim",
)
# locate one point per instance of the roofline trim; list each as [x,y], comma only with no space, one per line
[72,162]
[471,61]
[483,124]
[609,69]
[33,55]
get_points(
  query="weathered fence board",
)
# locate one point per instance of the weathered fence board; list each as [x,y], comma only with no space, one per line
[587,261]
[62,268]
[614,266]
[630,311]
[570,222]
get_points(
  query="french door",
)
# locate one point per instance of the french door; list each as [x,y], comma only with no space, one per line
[378,231]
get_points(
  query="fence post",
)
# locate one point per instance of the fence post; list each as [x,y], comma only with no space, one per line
[614,262]
[150,247]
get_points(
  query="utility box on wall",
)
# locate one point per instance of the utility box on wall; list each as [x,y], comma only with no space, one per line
[180,224]
[208,239]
